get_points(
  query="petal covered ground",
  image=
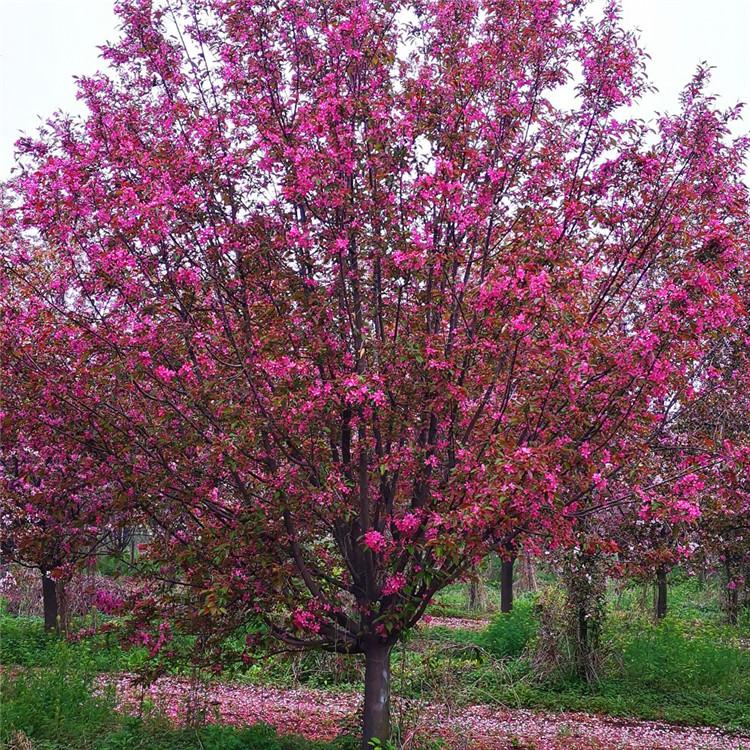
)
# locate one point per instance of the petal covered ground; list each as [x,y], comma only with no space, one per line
[454,623]
[318,714]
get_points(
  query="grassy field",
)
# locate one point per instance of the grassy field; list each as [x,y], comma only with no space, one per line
[689,669]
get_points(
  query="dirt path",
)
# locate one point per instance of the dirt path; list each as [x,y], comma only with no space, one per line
[454,623]
[318,714]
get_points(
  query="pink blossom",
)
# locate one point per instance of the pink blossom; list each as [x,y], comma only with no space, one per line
[165,374]
[394,584]
[375,541]
[303,619]
[408,524]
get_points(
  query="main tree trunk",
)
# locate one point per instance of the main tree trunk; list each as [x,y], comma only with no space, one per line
[377,708]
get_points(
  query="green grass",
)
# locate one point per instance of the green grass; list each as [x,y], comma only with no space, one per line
[55,704]
[507,635]
[709,697]
[57,708]
[136,734]
[688,669]
[453,601]
[24,643]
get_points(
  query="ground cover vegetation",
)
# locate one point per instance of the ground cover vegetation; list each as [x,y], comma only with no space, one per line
[326,311]
[691,668]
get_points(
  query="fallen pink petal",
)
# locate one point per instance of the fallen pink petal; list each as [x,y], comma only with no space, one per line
[320,715]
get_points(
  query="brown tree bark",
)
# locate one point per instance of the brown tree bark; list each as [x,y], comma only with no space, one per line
[478,591]
[477,596]
[584,661]
[733,606]
[732,591]
[526,573]
[506,584]
[49,601]
[585,581]
[377,703]
[661,593]
[62,607]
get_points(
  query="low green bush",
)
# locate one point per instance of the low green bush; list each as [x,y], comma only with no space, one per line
[55,704]
[136,734]
[509,634]
[671,657]
[23,641]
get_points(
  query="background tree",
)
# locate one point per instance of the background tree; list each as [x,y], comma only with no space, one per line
[56,509]
[724,525]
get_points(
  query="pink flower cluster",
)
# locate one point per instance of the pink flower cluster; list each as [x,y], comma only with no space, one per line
[408,524]
[107,601]
[394,584]
[303,619]
[375,541]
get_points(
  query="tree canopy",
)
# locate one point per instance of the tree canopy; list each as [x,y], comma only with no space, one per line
[340,297]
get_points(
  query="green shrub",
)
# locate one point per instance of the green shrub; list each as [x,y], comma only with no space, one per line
[258,737]
[114,565]
[509,633]
[135,734]
[23,640]
[295,742]
[24,643]
[55,704]
[213,737]
[666,657]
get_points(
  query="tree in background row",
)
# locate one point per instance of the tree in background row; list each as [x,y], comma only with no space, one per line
[56,510]
[724,524]
[349,302]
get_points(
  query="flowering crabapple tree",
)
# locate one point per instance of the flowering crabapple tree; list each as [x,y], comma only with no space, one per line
[698,458]
[724,419]
[363,302]
[706,447]
[725,531]
[650,544]
[656,531]
[55,510]
[699,468]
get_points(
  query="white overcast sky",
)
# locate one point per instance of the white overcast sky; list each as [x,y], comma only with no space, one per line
[44,43]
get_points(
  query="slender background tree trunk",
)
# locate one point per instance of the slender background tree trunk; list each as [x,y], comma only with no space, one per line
[733,606]
[661,593]
[478,590]
[61,593]
[586,582]
[377,707]
[527,573]
[49,600]
[477,596]
[584,667]
[732,592]
[506,585]
[702,575]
